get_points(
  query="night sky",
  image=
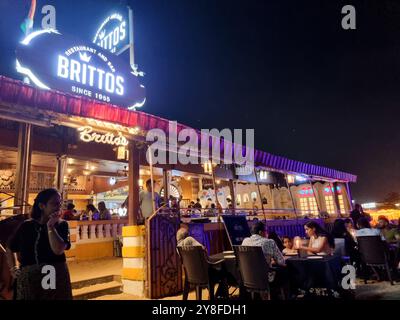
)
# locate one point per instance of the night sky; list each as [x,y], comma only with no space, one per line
[311,90]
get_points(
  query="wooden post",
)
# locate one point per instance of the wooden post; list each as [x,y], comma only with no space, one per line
[23,167]
[233,195]
[217,204]
[151,178]
[336,197]
[166,185]
[349,197]
[60,170]
[291,196]
[133,178]
[259,192]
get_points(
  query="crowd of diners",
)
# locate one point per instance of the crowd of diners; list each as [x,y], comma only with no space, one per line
[318,242]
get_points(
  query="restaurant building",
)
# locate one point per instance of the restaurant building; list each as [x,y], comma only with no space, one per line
[42,146]
[90,143]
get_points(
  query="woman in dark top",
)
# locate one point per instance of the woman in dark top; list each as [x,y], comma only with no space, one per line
[274,236]
[340,231]
[40,243]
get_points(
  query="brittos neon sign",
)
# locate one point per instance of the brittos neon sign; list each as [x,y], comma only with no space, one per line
[88,135]
[54,61]
[82,72]
[112,34]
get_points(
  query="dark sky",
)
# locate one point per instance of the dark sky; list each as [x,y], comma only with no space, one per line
[311,90]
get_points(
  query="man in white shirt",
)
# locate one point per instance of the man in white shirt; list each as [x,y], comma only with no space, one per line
[268,246]
[146,201]
[184,240]
[278,276]
[365,230]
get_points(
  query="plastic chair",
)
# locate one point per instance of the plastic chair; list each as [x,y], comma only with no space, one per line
[374,253]
[253,270]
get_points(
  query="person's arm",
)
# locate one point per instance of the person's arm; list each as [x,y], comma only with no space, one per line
[319,248]
[13,263]
[277,255]
[57,244]
[13,247]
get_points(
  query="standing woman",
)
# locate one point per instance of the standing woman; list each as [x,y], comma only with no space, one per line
[38,242]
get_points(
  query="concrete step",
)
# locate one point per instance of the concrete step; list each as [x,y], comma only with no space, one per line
[96,287]
[97,290]
[92,281]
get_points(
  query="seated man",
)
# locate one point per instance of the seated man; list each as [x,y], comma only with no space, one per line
[217,273]
[389,232]
[183,239]
[365,230]
[278,277]
[268,246]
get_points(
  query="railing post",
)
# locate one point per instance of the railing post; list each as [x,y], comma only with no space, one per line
[92,231]
[85,234]
[107,230]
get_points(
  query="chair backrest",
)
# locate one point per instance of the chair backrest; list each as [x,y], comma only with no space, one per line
[372,249]
[195,263]
[253,267]
[340,247]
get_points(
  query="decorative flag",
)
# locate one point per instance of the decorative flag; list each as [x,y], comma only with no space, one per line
[27,25]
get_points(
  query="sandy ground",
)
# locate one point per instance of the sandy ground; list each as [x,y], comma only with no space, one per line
[94,268]
[113,266]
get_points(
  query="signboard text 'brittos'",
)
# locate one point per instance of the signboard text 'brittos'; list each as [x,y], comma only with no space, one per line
[55,61]
[112,34]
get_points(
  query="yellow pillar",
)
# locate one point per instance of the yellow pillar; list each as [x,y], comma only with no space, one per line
[134,266]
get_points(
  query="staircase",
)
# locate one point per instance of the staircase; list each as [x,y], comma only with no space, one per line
[96,287]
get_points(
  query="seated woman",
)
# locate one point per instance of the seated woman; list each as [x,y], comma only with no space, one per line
[348,223]
[320,241]
[340,231]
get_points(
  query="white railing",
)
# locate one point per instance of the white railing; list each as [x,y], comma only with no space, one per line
[99,230]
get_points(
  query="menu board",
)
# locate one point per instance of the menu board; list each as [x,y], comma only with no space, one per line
[237,229]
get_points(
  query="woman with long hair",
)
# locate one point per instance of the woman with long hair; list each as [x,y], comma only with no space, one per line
[320,241]
[340,231]
[40,243]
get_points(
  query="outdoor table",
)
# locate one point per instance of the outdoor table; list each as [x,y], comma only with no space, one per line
[229,264]
[314,272]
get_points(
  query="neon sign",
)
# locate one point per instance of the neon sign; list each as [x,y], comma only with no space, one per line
[112,35]
[88,135]
[306,192]
[329,190]
[54,61]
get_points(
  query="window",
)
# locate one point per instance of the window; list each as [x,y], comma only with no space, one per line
[253,196]
[173,191]
[313,205]
[341,204]
[330,205]
[304,205]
